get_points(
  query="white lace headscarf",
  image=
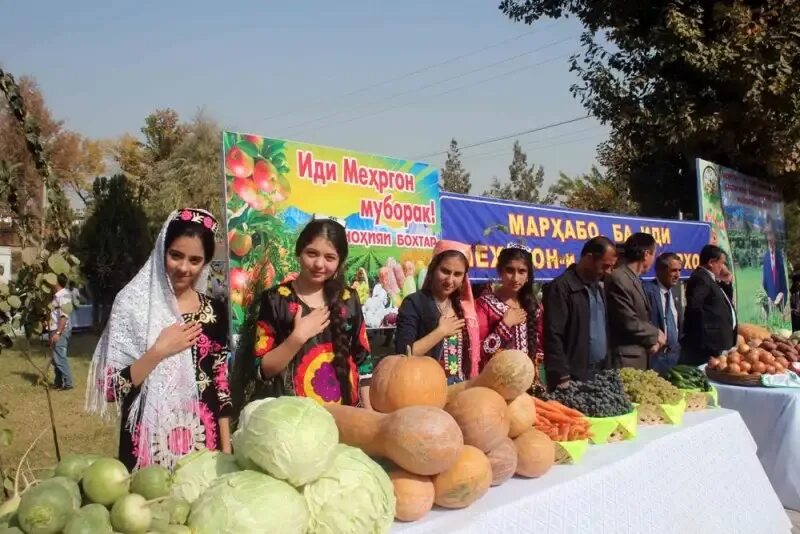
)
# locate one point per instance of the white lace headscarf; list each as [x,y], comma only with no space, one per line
[166,406]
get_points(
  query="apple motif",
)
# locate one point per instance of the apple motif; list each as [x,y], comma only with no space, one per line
[258,141]
[238,164]
[238,278]
[264,175]
[239,243]
[247,190]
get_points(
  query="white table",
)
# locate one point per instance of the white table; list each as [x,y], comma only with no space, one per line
[701,477]
[773,417]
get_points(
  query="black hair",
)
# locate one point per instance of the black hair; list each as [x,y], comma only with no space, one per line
[637,245]
[662,261]
[710,253]
[332,290]
[179,228]
[455,299]
[62,280]
[527,293]
[597,246]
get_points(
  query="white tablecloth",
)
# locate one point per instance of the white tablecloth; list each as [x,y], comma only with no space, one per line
[703,476]
[773,417]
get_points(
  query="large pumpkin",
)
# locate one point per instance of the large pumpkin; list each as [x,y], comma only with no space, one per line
[465,482]
[509,373]
[536,453]
[521,415]
[399,381]
[482,415]
[503,460]
[421,439]
[414,494]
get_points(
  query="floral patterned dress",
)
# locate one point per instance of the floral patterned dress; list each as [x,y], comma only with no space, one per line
[311,373]
[210,357]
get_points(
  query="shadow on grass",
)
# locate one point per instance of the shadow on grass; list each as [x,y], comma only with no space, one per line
[29,376]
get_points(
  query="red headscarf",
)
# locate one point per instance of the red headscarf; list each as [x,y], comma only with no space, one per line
[467,304]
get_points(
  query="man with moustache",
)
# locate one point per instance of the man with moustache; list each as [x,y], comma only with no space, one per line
[575,325]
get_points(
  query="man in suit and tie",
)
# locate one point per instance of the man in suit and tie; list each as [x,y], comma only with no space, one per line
[709,324]
[666,312]
[632,336]
[774,273]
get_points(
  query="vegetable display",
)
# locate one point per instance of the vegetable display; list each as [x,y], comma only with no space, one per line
[467,480]
[755,356]
[646,387]
[521,415]
[503,460]
[688,377]
[414,494]
[560,422]
[603,396]
[536,453]
[509,373]
[400,381]
[482,415]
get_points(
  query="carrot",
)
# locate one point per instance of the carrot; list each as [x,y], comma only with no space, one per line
[556,417]
[566,409]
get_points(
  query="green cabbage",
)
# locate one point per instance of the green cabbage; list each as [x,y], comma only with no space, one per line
[196,471]
[249,501]
[354,496]
[290,438]
[91,519]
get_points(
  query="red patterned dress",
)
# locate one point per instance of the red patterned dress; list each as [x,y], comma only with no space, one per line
[311,373]
[495,335]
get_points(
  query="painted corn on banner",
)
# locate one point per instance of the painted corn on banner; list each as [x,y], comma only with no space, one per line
[747,221]
[389,207]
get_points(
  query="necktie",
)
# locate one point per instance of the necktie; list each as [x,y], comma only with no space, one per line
[774,269]
[669,320]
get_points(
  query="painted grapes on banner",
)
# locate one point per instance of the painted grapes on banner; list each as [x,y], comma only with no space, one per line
[389,208]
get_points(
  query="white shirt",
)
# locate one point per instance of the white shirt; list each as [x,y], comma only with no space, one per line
[730,304]
[667,294]
[63,296]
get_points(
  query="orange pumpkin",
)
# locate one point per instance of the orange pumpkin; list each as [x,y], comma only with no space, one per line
[521,415]
[536,453]
[404,380]
[421,439]
[503,460]
[414,494]
[482,415]
[465,482]
[509,373]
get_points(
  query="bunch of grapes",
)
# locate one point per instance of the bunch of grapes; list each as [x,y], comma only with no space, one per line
[646,387]
[603,396]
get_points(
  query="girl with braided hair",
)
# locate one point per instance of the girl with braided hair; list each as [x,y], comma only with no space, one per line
[509,317]
[311,339]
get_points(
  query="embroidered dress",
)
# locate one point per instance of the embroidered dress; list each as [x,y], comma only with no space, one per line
[495,335]
[311,373]
[210,358]
[452,358]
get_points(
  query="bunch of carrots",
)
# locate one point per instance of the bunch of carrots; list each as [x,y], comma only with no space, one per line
[560,422]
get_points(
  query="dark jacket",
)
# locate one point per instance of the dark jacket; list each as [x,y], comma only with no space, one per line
[417,317]
[566,328]
[630,331]
[671,353]
[708,327]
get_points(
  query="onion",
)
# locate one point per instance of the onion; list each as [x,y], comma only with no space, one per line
[734,359]
[759,367]
[734,369]
[713,363]
[745,366]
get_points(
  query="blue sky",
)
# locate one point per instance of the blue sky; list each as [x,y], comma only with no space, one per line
[280,69]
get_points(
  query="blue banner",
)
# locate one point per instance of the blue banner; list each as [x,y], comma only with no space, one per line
[555,235]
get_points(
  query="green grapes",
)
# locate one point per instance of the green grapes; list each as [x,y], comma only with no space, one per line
[646,387]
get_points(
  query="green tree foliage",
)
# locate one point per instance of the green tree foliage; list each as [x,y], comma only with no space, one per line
[454,177]
[681,80]
[525,182]
[114,243]
[594,191]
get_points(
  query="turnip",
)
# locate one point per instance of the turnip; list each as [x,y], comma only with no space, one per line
[68,484]
[105,481]
[91,519]
[45,509]
[131,514]
[73,465]
[152,482]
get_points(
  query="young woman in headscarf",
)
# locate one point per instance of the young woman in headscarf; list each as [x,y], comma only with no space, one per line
[163,356]
[439,320]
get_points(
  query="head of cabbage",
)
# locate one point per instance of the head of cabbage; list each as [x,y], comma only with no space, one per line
[290,438]
[196,471]
[248,501]
[355,495]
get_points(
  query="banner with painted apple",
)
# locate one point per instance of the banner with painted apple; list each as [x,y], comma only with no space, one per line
[389,207]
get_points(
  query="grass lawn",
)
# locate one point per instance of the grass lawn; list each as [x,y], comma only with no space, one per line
[77,430]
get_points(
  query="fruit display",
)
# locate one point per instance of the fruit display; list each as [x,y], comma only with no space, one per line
[688,377]
[603,396]
[559,422]
[646,387]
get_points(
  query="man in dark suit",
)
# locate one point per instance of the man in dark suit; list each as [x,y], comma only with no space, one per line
[774,273]
[666,312]
[575,325]
[631,334]
[709,326]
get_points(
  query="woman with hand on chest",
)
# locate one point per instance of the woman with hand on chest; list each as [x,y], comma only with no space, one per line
[439,320]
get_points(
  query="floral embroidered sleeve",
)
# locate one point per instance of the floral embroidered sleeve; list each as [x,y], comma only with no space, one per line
[119,384]
[492,339]
[219,355]
[360,350]
[266,334]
